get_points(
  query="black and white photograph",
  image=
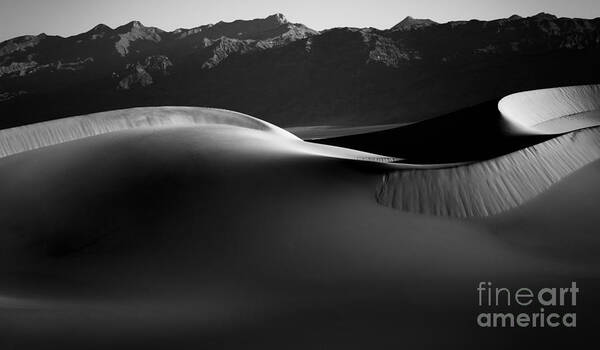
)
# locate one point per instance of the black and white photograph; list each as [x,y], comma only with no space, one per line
[383,174]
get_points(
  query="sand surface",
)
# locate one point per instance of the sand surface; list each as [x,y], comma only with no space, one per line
[198,228]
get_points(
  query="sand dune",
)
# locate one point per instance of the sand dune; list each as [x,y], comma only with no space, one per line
[30,137]
[490,187]
[25,138]
[217,235]
[202,228]
[497,185]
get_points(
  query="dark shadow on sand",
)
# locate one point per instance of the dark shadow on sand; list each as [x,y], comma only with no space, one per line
[472,134]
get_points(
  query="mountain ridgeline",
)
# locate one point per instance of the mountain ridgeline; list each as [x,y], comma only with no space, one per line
[289,74]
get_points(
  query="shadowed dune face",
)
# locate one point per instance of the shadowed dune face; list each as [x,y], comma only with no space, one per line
[471,134]
[477,133]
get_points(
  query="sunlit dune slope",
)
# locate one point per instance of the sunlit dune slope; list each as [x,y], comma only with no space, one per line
[493,186]
[29,137]
[553,110]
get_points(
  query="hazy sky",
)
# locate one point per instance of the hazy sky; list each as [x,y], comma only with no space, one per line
[68,17]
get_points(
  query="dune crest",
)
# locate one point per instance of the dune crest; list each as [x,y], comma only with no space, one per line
[555,110]
[29,137]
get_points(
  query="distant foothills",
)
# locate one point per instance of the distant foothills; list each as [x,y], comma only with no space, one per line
[291,75]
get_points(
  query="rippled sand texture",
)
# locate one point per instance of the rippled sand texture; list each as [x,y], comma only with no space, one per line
[490,187]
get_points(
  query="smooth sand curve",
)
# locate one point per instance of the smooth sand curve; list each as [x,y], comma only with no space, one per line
[34,136]
[553,110]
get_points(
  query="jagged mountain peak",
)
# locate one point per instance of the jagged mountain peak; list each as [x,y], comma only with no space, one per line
[410,23]
[201,65]
[278,18]
[268,27]
[136,31]
[133,25]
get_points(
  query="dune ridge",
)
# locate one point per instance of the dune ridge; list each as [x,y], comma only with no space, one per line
[553,110]
[39,135]
[29,137]
[500,184]
[490,187]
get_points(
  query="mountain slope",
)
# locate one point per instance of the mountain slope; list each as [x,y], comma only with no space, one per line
[292,75]
[410,23]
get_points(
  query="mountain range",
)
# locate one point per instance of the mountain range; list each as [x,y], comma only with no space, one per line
[292,75]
